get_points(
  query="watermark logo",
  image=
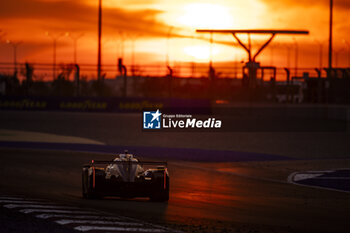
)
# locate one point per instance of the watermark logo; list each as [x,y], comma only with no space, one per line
[166,121]
[152,120]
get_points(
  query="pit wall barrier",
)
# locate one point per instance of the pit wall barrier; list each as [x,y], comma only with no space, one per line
[102,104]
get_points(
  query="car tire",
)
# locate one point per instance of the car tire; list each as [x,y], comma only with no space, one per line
[84,182]
[159,193]
[87,189]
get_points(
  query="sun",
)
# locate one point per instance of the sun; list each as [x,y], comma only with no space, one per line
[206,15]
[200,52]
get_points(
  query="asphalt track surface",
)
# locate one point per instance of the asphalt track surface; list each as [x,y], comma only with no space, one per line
[125,130]
[235,196]
[184,154]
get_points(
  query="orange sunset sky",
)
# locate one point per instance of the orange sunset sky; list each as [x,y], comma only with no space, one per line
[144,25]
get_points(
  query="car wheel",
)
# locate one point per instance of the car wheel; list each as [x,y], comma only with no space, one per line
[160,192]
[84,183]
[87,189]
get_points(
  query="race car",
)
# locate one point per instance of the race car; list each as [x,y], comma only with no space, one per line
[126,177]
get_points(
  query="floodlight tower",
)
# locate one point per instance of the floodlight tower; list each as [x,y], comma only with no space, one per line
[168,46]
[252,65]
[296,56]
[75,39]
[133,41]
[99,40]
[320,51]
[2,34]
[348,44]
[14,46]
[330,42]
[55,38]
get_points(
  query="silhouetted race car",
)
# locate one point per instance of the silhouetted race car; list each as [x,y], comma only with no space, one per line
[126,177]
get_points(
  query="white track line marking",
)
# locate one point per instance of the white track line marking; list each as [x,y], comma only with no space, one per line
[11,206]
[21,202]
[332,178]
[298,177]
[72,221]
[28,211]
[123,229]
[74,214]
[165,229]
[11,198]
[19,198]
[46,216]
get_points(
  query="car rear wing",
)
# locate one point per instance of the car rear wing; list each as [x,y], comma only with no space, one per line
[100,162]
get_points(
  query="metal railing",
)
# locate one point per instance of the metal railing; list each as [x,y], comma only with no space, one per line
[43,71]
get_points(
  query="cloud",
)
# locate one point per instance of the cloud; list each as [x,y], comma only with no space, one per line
[339,4]
[78,15]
